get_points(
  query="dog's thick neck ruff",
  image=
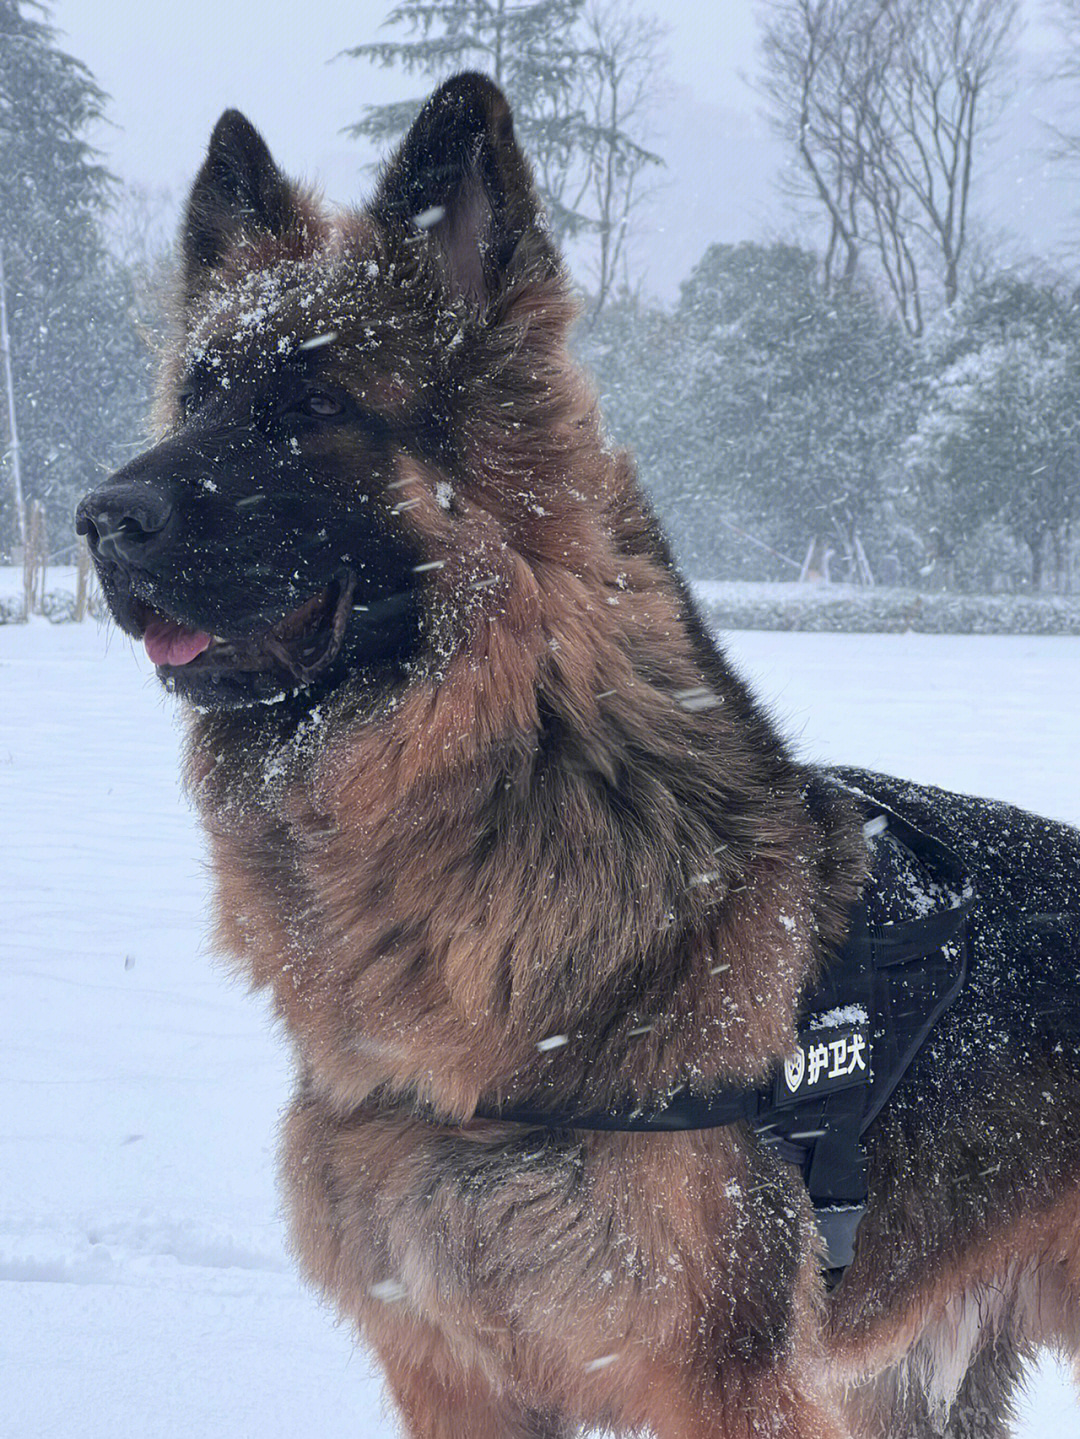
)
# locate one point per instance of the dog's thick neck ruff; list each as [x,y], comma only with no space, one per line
[580,734]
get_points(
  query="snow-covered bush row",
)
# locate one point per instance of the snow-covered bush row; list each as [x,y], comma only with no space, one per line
[845,609]
[58,606]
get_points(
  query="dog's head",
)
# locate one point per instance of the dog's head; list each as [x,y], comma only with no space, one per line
[355,422]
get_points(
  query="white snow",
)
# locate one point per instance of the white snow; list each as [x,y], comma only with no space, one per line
[144,1289]
[836,1018]
[427,218]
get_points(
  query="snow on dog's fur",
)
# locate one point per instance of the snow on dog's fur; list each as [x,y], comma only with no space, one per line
[493,820]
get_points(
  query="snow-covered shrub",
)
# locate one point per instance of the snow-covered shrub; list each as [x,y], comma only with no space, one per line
[855,610]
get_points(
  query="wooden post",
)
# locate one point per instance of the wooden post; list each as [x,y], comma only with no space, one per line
[34,560]
[13,429]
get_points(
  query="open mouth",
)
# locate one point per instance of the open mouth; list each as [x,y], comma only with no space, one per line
[300,646]
[227,670]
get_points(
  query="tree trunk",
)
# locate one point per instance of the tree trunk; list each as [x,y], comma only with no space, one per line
[952,281]
[1059,560]
[13,429]
[1036,545]
[1066,544]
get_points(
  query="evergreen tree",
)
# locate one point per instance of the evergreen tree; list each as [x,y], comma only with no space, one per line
[526,46]
[996,447]
[76,364]
[579,79]
[792,402]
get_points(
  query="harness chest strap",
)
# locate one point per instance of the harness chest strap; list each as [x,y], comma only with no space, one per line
[861,1027]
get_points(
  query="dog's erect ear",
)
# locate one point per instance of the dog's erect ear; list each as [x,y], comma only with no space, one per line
[461,180]
[238,188]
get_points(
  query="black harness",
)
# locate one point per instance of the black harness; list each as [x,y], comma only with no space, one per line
[860,1027]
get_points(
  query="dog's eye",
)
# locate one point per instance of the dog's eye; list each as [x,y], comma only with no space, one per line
[186,403]
[321,405]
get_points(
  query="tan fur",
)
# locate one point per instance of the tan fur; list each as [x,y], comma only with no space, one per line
[1022,1279]
[556,1281]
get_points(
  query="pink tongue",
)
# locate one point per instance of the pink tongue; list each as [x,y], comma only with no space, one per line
[169,643]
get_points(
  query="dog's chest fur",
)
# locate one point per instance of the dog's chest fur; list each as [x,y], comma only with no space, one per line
[523,1250]
[523,919]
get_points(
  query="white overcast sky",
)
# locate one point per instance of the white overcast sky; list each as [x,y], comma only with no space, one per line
[171,69]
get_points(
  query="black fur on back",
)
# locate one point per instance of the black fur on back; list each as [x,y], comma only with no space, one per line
[986,1124]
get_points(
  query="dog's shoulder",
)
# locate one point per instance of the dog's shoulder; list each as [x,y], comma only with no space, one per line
[1016,861]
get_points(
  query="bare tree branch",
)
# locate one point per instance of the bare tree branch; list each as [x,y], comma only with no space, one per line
[886,103]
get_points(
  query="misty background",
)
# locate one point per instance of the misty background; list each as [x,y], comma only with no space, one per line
[170,72]
[842,344]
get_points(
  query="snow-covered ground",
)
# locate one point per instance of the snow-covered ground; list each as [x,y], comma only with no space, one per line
[145,1291]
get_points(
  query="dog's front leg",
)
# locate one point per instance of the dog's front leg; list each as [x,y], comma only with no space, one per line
[437,1399]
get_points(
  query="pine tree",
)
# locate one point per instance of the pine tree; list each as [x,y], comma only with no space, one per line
[527,48]
[75,360]
[579,80]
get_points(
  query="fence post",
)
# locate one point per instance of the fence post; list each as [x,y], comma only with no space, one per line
[35,559]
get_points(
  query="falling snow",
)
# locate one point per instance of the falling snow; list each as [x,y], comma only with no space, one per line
[426,219]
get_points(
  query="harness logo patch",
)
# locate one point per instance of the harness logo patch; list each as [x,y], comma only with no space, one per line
[828,1058]
[794,1070]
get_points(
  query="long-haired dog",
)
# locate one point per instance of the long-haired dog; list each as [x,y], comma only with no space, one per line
[496,824]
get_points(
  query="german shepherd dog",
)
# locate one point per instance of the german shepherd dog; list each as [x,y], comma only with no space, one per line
[495,823]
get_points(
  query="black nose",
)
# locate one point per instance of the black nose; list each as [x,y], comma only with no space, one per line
[126,521]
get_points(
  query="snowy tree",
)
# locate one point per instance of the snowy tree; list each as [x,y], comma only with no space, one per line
[615,90]
[522,44]
[1064,72]
[581,81]
[633,350]
[998,439]
[791,403]
[886,104]
[763,412]
[76,364]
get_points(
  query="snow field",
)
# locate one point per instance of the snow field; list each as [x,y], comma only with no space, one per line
[144,1288]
